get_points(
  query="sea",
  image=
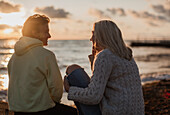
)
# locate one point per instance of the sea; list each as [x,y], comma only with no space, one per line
[149,60]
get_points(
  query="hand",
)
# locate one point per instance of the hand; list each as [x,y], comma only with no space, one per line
[66,84]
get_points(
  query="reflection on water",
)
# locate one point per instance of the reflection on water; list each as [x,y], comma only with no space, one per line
[11,42]
[4,81]
[6,51]
[149,59]
[67,52]
[7,44]
[4,61]
[11,51]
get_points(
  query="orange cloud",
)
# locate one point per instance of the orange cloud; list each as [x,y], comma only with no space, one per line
[52,12]
[161,9]
[15,28]
[7,7]
[97,13]
[151,19]
[4,26]
[119,11]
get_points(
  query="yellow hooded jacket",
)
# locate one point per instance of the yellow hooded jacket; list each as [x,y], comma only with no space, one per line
[35,81]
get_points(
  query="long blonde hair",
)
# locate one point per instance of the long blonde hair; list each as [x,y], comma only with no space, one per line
[109,36]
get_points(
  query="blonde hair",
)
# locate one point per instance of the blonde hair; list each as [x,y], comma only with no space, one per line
[33,23]
[109,36]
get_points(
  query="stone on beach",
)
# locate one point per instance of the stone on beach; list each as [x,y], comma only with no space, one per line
[156,97]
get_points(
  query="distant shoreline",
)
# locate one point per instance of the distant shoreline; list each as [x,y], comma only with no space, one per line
[150,43]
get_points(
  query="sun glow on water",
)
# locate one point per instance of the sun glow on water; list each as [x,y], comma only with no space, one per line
[11,51]
[7,31]
[11,43]
[4,81]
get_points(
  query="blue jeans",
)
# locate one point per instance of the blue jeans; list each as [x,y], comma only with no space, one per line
[80,78]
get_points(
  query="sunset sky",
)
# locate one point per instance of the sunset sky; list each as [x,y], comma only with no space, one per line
[73,19]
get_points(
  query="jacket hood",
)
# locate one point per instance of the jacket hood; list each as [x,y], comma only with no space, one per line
[25,44]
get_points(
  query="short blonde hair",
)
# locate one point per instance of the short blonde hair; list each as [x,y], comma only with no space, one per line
[108,35]
[33,23]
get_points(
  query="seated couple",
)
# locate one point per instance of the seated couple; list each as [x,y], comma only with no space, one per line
[36,86]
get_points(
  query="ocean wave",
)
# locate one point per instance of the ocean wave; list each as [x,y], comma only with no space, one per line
[168,66]
[63,66]
[3,68]
[153,57]
[6,47]
[3,92]
[5,53]
[3,95]
[145,78]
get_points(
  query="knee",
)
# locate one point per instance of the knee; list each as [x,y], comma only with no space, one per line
[71,68]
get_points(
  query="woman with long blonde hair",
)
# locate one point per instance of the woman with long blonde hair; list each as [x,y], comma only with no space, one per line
[115,83]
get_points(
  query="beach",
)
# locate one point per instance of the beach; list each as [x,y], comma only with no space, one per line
[156,96]
[153,63]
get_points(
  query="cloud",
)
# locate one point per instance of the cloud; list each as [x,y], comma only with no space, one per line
[79,21]
[157,1]
[166,4]
[153,24]
[97,13]
[15,28]
[148,16]
[161,9]
[119,11]
[150,19]
[6,7]
[134,13]
[52,13]
[158,8]
[4,26]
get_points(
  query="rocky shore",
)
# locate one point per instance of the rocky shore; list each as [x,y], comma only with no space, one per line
[156,97]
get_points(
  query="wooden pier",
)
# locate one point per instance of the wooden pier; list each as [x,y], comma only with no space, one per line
[151,43]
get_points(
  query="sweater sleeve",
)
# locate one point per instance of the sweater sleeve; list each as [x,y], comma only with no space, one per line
[54,80]
[95,90]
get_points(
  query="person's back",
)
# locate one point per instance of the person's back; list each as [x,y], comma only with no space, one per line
[115,83]
[29,72]
[123,92]
[35,82]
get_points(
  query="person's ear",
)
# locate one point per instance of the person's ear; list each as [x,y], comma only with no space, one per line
[36,34]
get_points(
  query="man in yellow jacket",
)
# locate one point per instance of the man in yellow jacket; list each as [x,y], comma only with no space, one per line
[35,82]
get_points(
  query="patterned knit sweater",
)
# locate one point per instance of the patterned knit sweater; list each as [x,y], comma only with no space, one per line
[115,85]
